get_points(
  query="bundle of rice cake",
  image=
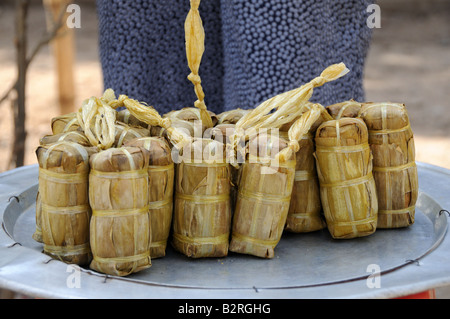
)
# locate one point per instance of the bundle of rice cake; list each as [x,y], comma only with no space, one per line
[70,136]
[263,198]
[190,114]
[202,211]
[120,228]
[125,133]
[119,200]
[305,210]
[258,232]
[63,201]
[64,123]
[232,116]
[394,169]
[124,116]
[347,187]
[160,190]
[392,143]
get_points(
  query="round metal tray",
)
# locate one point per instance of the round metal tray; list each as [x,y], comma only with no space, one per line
[309,265]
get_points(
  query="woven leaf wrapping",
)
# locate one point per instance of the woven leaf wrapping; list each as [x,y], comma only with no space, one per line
[125,133]
[202,211]
[394,168]
[284,108]
[160,190]
[347,187]
[63,201]
[65,123]
[263,198]
[70,136]
[120,233]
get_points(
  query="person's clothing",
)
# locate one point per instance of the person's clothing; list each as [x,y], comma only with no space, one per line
[254,50]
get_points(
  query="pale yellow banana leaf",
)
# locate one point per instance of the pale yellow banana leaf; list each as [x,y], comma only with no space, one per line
[288,106]
[195,47]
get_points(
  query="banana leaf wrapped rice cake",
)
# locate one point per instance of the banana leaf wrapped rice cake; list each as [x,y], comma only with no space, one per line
[65,123]
[125,133]
[70,136]
[202,211]
[231,116]
[305,210]
[191,114]
[347,187]
[263,199]
[161,174]
[394,168]
[120,228]
[64,202]
[266,181]
[349,108]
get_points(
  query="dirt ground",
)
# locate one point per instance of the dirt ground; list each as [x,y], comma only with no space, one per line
[409,62]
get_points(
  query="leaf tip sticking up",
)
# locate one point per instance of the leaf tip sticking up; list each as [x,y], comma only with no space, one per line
[195,47]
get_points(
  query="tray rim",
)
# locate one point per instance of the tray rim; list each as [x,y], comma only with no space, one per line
[175,291]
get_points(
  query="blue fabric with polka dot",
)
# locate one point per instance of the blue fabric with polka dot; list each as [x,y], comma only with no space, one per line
[254,49]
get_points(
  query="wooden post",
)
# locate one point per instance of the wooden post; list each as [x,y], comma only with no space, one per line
[64,55]
[18,104]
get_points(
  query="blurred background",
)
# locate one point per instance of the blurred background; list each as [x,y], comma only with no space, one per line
[408,62]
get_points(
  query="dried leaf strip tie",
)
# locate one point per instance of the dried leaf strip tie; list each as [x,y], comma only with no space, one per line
[97,119]
[195,47]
